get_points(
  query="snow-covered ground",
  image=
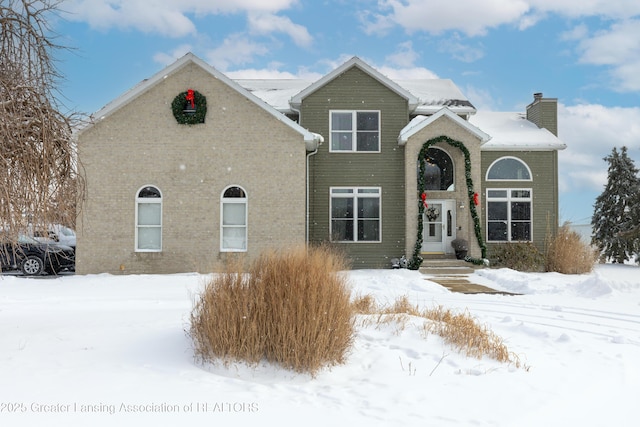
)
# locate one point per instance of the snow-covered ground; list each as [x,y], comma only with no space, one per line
[104,350]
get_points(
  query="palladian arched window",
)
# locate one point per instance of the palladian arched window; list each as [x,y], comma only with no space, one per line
[233,233]
[148,219]
[438,170]
[508,169]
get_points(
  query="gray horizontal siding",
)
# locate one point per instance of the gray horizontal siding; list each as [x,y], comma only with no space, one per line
[355,90]
[543,165]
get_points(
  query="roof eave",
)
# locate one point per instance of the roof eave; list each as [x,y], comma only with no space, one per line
[407,133]
[106,111]
[296,100]
[534,146]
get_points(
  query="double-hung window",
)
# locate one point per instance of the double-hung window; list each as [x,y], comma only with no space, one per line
[355,131]
[234,220]
[148,220]
[355,214]
[509,215]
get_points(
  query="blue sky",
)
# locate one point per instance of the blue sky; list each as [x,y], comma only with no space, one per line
[586,53]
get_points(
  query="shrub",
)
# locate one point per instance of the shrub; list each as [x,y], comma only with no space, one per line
[291,308]
[567,253]
[520,256]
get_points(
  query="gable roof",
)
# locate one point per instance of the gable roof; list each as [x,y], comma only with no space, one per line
[311,139]
[512,131]
[424,96]
[296,100]
[420,122]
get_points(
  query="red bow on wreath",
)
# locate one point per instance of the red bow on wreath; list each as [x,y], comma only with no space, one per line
[191,97]
[423,196]
[476,199]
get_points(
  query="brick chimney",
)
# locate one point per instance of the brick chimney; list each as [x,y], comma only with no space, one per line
[544,112]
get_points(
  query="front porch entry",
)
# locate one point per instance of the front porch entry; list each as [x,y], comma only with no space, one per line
[439,227]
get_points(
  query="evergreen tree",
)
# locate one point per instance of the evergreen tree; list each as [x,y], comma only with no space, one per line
[616,216]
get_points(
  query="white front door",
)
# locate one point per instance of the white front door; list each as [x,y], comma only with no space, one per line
[439,226]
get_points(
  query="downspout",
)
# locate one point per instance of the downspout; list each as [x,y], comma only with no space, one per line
[309,154]
[308,197]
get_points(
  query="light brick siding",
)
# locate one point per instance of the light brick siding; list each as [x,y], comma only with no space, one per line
[444,127]
[142,144]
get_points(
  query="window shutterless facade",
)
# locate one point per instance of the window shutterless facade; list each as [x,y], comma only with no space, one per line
[148,219]
[355,214]
[233,226]
[354,131]
[509,215]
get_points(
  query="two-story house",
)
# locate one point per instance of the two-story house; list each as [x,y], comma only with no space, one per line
[378,167]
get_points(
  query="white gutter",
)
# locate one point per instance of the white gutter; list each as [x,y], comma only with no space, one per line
[311,150]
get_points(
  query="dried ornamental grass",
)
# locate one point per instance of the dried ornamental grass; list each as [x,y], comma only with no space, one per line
[291,308]
[568,254]
[460,330]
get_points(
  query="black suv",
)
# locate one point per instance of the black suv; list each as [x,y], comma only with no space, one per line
[33,257]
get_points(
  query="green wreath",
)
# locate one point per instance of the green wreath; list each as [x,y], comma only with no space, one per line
[416,259]
[185,116]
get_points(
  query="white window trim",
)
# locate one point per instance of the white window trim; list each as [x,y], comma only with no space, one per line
[148,200]
[354,195]
[509,180]
[508,199]
[245,201]
[354,131]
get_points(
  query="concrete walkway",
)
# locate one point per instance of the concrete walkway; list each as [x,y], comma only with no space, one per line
[454,274]
[461,284]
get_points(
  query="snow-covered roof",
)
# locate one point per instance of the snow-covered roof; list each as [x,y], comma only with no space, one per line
[420,122]
[512,131]
[296,101]
[311,139]
[274,92]
[433,94]
[424,96]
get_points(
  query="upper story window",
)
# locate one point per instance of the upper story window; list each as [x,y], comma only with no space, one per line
[233,233]
[355,214]
[355,131]
[438,170]
[509,169]
[149,219]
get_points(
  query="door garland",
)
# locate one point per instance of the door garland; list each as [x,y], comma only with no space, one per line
[416,260]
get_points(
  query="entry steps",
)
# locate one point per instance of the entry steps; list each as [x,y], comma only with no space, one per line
[446,266]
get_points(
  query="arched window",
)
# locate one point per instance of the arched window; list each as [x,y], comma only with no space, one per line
[148,219]
[233,233]
[438,171]
[509,169]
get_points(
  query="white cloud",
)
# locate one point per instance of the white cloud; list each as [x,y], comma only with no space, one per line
[579,32]
[235,50]
[404,56]
[473,17]
[470,17]
[166,17]
[618,48]
[480,98]
[164,58]
[267,23]
[461,51]
[590,132]
[272,73]
[611,9]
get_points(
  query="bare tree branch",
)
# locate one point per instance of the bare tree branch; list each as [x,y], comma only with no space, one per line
[38,164]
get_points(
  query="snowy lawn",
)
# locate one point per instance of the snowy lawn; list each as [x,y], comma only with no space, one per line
[106,350]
